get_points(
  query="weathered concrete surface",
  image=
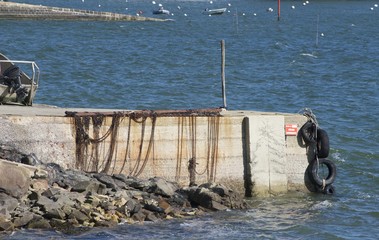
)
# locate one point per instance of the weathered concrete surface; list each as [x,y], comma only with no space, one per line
[245,150]
[10,10]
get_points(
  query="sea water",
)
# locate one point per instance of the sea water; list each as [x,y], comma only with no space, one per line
[323,55]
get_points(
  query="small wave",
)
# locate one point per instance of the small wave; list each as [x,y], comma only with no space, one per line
[308,55]
[338,157]
[322,205]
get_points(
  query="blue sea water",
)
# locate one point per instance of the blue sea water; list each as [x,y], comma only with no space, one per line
[323,55]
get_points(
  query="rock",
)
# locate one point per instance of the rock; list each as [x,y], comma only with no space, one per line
[56,213]
[40,223]
[132,206]
[78,215]
[7,205]
[106,224]
[40,185]
[149,216]
[107,180]
[23,219]
[69,178]
[14,180]
[142,185]
[89,186]
[163,187]
[67,199]
[152,205]
[30,159]
[139,216]
[49,196]
[6,225]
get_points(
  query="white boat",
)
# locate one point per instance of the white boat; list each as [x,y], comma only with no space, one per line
[18,86]
[217,11]
[161,10]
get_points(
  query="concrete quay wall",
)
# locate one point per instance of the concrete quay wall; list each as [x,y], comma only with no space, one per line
[10,10]
[247,151]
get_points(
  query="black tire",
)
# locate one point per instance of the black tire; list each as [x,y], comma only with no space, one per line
[314,168]
[329,190]
[322,143]
[308,131]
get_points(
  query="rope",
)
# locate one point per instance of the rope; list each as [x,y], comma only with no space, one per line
[180,148]
[127,146]
[309,114]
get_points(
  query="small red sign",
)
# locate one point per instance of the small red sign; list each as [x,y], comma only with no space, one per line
[291,129]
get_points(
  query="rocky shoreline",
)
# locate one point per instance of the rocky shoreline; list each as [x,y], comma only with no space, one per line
[45,196]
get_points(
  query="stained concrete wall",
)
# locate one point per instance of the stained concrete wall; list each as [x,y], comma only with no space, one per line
[248,151]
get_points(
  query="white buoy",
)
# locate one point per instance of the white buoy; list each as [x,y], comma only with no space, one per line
[375,5]
[293,7]
[322,34]
[211,2]
[255,14]
[185,14]
[153,2]
[229,4]
[372,9]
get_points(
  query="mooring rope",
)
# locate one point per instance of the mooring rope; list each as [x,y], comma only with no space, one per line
[127,146]
[310,115]
[136,166]
[151,144]
[180,147]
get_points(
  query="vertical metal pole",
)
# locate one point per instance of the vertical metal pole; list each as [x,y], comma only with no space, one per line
[223,71]
[278,10]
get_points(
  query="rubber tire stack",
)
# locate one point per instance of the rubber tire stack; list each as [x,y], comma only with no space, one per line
[312,135]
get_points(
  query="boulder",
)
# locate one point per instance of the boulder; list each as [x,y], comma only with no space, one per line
[163,187]
[7,205]
[23,219]
[14,179]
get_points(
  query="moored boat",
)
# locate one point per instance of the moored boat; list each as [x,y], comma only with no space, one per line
[161,10]
[17,86]
[217,11]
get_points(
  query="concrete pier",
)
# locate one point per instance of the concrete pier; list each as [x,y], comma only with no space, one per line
[255,153]
[11,10]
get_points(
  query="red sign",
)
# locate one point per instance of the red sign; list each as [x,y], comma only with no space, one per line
[291,129]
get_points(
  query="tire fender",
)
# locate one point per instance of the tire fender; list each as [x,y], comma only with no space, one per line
[308,132]
[314,168]
[322,143]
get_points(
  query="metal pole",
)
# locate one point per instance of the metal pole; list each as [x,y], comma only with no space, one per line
[223,71]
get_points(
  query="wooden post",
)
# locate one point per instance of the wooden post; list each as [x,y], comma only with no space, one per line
[278,10]
[223,71]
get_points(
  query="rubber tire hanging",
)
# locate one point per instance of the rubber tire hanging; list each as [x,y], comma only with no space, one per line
[314,169]
[322,143]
